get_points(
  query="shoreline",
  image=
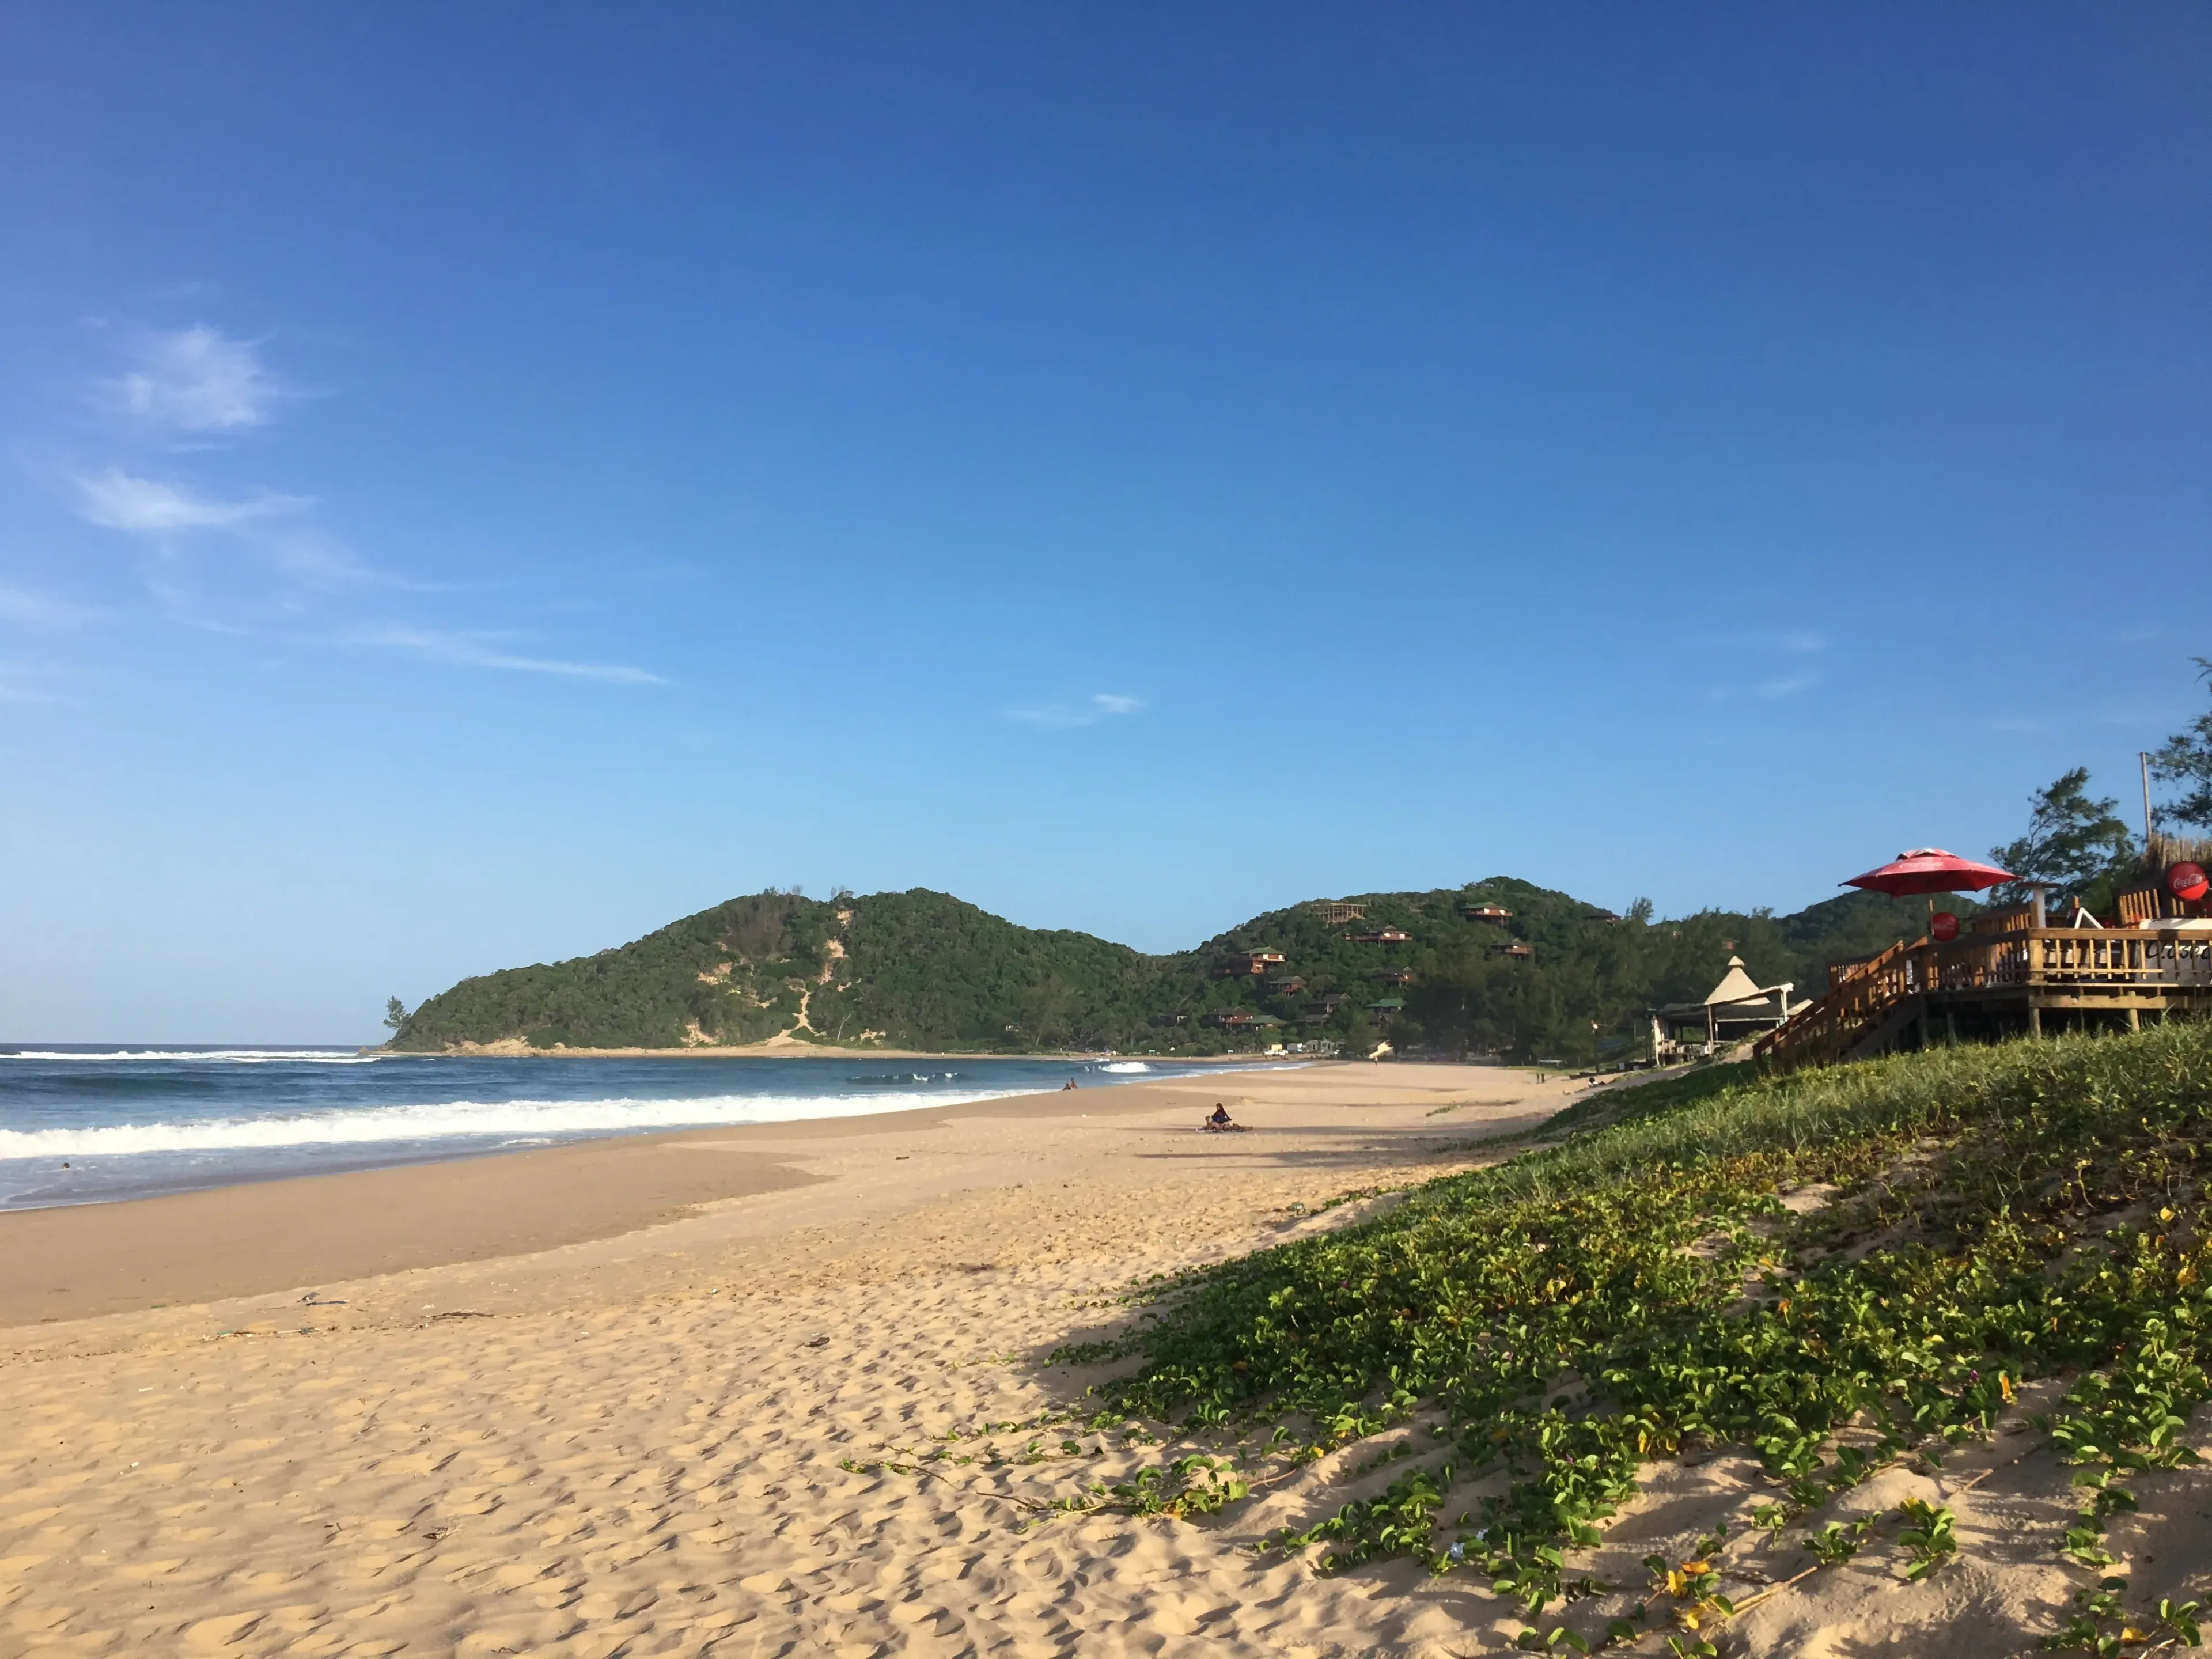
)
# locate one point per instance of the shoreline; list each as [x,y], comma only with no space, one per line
[516,1049]
[373,1156]
[67,1261]
[653,1427]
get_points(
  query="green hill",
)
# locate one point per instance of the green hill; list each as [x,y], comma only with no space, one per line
[1558,978]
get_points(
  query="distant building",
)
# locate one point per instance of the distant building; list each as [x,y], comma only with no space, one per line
[1386,1009]
[1490,913]
[1381,936]
[1240,1019]
[1287,986]
[1611,919]
[1244,962]
[1395,976]
[1336,915]
[1516,950]
[1733,1010]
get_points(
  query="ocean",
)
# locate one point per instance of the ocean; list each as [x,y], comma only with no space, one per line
[81,1124]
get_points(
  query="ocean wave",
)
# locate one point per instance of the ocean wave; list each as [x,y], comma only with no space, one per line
[228,1056]
[1125,1065]
[363,1126]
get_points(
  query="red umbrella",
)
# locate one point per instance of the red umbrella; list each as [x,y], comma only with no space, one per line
[1930,870]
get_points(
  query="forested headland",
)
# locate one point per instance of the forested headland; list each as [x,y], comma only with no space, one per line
[1558,978]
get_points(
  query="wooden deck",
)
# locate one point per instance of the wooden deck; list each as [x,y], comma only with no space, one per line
[1993,984]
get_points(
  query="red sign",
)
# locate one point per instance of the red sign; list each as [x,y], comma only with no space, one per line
[2186,881]
[1943,926]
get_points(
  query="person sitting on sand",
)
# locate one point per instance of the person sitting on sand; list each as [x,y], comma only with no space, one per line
[1219,1120]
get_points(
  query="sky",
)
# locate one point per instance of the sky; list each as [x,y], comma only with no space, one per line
[479,483]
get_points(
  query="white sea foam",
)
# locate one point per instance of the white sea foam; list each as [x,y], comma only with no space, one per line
[447,1120]
[1125,1065]
[227,1056]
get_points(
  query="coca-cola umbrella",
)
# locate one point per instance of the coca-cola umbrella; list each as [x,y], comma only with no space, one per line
[1929,870]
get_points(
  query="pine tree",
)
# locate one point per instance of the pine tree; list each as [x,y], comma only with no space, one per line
[2186,759]
[2073,843]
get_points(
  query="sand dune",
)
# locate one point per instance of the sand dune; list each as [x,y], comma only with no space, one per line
[636,1444]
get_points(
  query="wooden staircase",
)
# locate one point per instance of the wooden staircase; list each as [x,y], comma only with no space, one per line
[1865,1002]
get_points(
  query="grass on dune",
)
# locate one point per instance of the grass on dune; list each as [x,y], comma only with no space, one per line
[1977,1217]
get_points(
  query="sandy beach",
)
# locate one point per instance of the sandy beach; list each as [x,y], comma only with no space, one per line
[632,1397]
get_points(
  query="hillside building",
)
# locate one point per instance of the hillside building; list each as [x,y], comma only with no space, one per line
[1244,963]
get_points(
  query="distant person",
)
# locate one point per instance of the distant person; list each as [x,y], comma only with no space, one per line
[1219,1121]
[1066,1086]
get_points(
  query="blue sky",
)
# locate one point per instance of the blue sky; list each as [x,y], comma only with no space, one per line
[478,482]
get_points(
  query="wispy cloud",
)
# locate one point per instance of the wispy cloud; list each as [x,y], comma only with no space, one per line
[18,685]
[259,564]
[117,500]
[198,380]
[1792,642]
[29,610]
[1788,686]
[1061,716]
[475,653]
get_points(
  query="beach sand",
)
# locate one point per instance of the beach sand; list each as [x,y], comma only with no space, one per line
[630,1397]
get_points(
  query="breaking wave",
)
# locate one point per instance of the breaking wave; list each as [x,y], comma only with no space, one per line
[456,1119]
[227,1056]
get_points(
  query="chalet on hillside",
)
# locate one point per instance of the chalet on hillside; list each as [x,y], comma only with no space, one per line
[1395,976]
[1335,916]
[1320,1010]
[1287,986]
[1517,952]
[1244,963]
[1491,914]
[1610,918]
[1380,936]
[1240,1019]
[1386,1009]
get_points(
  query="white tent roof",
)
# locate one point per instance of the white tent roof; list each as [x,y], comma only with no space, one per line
[1735,986]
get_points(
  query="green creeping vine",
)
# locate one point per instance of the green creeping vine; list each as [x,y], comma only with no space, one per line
[1979,1217]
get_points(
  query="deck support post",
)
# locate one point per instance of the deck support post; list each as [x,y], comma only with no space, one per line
[2134,1019]
[1951,1025]
[2034,1018]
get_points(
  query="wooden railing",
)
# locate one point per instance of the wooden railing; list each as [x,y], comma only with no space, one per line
[2144,904]
[1854,966]
[2080,961]
[2154,959]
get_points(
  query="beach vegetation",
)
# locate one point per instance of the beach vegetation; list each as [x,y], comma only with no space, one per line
[1837,1272]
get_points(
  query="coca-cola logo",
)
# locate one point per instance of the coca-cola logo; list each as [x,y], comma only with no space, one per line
[1943,926]
[2186,881]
